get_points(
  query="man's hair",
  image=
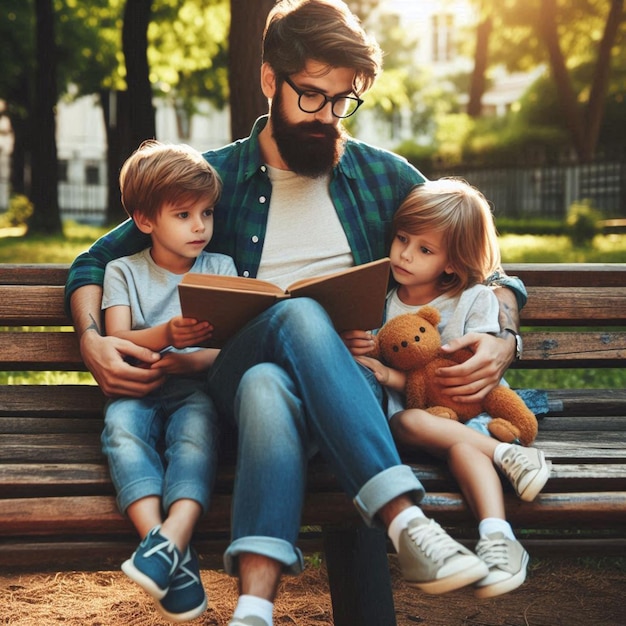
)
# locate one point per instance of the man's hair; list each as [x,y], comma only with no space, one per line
[463,215]
[157,174]
[322,30]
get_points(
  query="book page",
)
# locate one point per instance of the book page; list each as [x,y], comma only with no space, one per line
[354,298]
[234,283]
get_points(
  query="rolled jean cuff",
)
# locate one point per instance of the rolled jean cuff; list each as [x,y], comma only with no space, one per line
[384,487]
[138,490]
[188,490]
[271,547]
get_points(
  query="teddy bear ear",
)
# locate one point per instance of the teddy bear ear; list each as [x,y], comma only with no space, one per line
[430,314]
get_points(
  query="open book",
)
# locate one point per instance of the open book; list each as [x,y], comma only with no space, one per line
[354,298]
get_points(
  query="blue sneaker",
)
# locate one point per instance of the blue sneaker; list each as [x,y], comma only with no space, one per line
[153,564]
[185,599]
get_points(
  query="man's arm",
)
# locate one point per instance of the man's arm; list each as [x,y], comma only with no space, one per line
[472,380]
[105,356]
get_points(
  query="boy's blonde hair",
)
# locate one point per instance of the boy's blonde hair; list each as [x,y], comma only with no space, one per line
[322,30]
[463,215]
[157,174]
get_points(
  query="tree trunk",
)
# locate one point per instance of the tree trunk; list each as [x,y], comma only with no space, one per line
[46,217]
[247,102]
[584,127]
[137,15]
[600,85]
[479,75]
[115,109]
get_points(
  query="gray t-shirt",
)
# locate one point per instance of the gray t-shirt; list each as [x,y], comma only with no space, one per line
[474,310]
[150,291]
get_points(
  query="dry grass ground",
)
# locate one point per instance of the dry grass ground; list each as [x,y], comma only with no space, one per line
[557,593]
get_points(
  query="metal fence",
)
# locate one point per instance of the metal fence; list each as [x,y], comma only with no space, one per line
[549,191]
[515,192]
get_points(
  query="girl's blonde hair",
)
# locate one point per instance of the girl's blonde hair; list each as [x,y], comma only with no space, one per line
[463,215]
[157,174]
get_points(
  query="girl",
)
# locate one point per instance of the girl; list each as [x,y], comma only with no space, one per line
[444,248]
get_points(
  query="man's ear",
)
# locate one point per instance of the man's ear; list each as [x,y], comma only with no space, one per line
[268,81]
[142,222]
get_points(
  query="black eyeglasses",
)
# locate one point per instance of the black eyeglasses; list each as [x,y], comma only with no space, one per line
[314,101]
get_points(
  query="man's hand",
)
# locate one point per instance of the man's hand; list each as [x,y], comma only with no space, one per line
[472,380]
[105,359]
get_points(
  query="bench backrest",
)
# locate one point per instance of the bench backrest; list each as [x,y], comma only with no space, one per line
[571,319]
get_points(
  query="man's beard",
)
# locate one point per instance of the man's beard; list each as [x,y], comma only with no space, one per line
[302,150]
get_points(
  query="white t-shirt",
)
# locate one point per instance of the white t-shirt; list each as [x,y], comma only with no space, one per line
[304,235]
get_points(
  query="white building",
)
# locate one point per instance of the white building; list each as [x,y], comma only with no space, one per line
[436,25]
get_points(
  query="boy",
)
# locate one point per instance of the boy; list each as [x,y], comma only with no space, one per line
[169,192]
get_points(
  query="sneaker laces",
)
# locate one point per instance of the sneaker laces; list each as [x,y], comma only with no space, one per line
[493,552]
[433,541]
[516,464]
[166,547]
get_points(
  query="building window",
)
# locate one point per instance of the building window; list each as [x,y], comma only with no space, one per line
[62,170]
[443,37]
[92,174]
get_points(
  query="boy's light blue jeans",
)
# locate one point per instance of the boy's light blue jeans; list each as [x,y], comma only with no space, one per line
[293,389]
[164,444]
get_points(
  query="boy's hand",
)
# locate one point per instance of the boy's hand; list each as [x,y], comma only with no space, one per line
[183,332]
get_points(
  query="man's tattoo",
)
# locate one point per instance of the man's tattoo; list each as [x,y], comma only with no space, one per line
[94,325]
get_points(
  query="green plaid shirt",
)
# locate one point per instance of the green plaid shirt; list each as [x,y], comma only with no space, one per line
[366,187]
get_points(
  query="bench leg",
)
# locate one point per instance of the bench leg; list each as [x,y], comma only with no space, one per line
[358,577]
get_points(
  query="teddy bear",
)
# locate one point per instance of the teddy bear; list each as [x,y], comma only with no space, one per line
[411,342]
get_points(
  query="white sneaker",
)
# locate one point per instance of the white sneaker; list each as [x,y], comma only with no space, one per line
[507,562]
[527,470]
[432,561]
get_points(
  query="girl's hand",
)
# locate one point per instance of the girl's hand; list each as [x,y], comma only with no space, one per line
[381,372]
[359,342]
[183,332]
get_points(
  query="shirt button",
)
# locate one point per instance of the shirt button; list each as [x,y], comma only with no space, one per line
[263,168]
[262,199]
[246,273]
[255,239]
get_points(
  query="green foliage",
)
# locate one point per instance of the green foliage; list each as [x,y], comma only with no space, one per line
[575,378]
[530,226]
[423,157]
[19,211]
[49,249]
[582,223]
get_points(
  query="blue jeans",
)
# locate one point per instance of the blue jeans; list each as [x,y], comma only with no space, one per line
[164,444]
[293,389]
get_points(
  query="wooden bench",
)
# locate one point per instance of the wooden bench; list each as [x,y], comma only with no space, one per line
[57,508]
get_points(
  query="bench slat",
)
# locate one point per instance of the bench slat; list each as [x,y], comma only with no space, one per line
[551,349]
[586,306]
[568,274]
[98,514]
[40,351]
[33,273]
[41,400]
[32,306]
